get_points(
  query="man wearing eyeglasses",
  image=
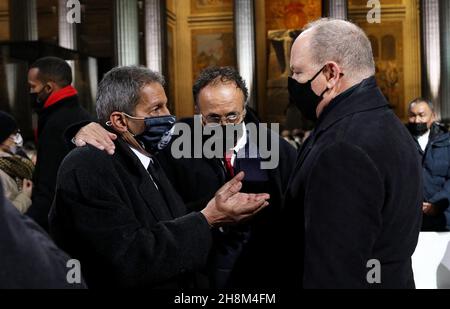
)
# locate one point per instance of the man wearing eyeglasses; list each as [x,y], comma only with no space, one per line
[247,255]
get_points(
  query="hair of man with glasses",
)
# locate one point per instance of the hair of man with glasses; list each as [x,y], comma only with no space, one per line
[213,76]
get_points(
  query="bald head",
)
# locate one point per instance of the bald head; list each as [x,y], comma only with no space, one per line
[335,40]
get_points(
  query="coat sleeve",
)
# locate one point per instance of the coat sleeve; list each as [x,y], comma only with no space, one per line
[51,151]
[442,201]
[19,199]
[175,173]
[442,198]
[288,158]
[28,257]
[92,198]
[22,202]
[343,202]
[72,131]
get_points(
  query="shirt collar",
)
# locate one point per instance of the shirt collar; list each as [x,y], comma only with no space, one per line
[59,95]
[242,140]
[143,158]
[423,140]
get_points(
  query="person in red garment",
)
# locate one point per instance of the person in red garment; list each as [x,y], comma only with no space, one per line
[56,103]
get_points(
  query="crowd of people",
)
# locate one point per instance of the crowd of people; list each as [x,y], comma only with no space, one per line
[109,192]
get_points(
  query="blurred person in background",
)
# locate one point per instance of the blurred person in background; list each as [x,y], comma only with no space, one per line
[16,171]
[56,104]
[287,136]
[433,143]
[298,135]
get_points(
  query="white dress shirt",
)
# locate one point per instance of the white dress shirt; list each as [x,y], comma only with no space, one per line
[145,162]
[423,140]
[240,144]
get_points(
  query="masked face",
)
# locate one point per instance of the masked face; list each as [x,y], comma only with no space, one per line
[157,134]
[13,143]
[223,106]
[303,96]
[39,91]
[18,139]
[420,118]
[231,133]
[38,99]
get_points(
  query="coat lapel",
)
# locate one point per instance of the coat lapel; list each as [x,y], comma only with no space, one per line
[174,204]
[153,197]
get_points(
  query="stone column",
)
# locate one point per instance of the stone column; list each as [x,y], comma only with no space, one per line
[244,18]
[23,20]
[154,34]
[337,9]
[23,27]
[126,32]
[436,55]
[67,32]
[431,53]
[444,20]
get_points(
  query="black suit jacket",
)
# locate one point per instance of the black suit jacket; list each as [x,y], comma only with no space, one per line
[196,180]
[51,150]
[109,214]
[28,258]
[358,183]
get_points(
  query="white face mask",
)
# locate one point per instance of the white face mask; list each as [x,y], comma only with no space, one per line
[18,139]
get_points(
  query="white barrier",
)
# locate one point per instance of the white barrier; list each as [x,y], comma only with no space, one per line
[431,261]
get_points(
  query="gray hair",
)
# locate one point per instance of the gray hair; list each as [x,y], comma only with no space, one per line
[120,90]
[343,42]
[421,100]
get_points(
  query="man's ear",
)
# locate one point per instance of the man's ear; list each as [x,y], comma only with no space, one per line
[51,87]
[332,73]
[118,122]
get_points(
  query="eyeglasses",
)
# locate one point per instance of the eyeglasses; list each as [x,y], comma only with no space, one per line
[232,118]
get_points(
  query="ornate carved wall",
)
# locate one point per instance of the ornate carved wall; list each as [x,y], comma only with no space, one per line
[200,34]
[396,46]
[277,22]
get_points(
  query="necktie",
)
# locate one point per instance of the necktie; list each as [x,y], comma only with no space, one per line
[228,166]
[152,171]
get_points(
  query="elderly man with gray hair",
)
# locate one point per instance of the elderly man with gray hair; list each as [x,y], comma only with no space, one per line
[119,215]
[358,176]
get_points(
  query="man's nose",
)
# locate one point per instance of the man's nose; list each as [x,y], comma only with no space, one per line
[165,112]
[223,121]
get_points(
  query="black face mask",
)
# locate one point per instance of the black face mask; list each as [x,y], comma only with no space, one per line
[304,97]
[417,129]
[37,99]
[231,135]
[157,132]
